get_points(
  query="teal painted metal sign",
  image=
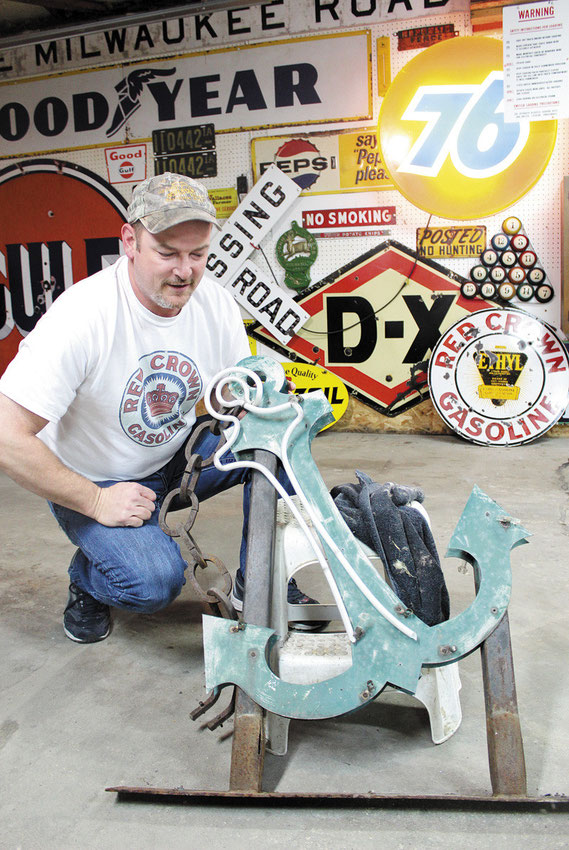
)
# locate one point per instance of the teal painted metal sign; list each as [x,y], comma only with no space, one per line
[389,643]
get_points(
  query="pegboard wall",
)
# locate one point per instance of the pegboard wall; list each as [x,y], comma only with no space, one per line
[539,210]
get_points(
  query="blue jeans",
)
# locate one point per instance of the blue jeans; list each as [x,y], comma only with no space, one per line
[142,569]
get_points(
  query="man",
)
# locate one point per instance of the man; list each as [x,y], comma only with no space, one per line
[99,402]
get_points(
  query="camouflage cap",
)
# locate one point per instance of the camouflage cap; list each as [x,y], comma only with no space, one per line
[167,199]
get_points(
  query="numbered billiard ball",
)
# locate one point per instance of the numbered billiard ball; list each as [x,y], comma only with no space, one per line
[469,289]
[498,274]
[528,259]
[524,292]
[536,276]
[500,242]
[506,291]
[478,273]
[544,293]
[519,242]
[489,257]
[488,289]
[511,225]
[508,259]
[516,275]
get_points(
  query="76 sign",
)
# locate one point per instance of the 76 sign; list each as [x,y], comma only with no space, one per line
[464,122]
[443,135]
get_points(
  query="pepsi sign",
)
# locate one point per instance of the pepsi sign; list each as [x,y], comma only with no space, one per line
[301,160]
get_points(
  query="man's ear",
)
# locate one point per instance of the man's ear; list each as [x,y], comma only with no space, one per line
[128,237]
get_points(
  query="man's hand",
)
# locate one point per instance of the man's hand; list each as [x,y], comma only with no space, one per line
[126,503]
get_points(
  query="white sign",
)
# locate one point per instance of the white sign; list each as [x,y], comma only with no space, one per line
[354,219]
[536,61]
[499,377]
[256,215]
[247,226]
[268,303]
[126,164]
[281,83]
[211,29]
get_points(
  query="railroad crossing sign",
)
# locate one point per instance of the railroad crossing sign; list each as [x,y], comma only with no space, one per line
[374,323]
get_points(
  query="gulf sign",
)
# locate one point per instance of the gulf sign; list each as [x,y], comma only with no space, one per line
[499,377]
[59,223]
[374,322]
[444,139]
[126,163]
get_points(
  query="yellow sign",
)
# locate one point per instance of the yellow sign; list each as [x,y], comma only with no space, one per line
[383,56]
[444,139]
[499,369]
[307,377]
[451,241]
[498,392]
[361,165]
[252,342]
[225,201]
[325,163]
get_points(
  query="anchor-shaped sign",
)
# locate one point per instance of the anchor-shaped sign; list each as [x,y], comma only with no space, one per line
[389,643]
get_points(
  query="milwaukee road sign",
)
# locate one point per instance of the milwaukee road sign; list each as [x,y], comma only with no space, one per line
[374,323]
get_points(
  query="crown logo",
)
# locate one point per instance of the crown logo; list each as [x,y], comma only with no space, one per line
[160,401]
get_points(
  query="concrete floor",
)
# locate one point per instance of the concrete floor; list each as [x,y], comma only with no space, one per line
[76,719]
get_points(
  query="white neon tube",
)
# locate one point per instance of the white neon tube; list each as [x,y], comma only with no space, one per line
[262,411]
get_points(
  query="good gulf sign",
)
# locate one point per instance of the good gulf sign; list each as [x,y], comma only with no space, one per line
[443,136]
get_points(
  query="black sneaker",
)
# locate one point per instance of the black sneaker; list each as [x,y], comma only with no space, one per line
[295,596]
[237,593]
[85,620]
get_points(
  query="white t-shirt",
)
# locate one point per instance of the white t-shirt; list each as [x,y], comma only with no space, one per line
[118,383]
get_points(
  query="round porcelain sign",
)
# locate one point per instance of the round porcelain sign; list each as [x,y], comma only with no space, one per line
[444,139]
[499,377]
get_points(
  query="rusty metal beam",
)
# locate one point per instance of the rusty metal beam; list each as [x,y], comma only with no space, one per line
[544,805]
[503,730]
[248,749]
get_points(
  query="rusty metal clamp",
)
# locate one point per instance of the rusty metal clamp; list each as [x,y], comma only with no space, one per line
[185,496]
